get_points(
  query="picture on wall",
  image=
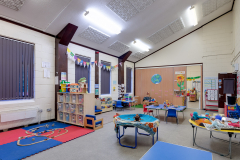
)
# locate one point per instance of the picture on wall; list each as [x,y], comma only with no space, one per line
[156,78]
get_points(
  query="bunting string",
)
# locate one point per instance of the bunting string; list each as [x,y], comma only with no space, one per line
[80,62]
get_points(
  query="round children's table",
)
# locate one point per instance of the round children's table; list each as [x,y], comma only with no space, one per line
[230,133]
[148,123]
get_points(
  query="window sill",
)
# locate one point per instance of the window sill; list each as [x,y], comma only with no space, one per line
[105,95]
[16,101]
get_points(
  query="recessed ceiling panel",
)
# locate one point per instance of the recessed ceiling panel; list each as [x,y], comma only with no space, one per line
[209,7]
[123,8]
[177,25]
[138,55]
[94,35]
[119,47]
[12,4]
[165,32]
[140,5]
[221,3]
[155,38]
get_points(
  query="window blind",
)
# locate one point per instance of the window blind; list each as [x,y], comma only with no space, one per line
[16,69]
[129,80]
[105,79]
[81,71]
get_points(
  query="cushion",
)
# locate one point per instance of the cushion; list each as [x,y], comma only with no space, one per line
[98,110]
[91,116]
[99,122]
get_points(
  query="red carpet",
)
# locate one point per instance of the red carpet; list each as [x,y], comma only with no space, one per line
[73,132]
[10,136]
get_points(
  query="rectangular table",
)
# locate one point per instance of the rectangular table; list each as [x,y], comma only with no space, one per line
[161,107]
[129,102]
[168,151]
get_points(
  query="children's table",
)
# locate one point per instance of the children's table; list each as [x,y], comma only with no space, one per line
[161,107]
[164,151]
[129,102]
[230,133]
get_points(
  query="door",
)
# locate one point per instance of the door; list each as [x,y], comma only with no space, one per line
[222,95]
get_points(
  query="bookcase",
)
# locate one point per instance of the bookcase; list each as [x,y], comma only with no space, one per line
[72,107]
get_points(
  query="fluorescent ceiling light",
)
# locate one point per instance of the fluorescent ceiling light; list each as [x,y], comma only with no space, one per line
[141,45]
[193,16]
[102,21]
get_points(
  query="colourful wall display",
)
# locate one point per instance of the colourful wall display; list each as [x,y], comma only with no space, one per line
[156,78]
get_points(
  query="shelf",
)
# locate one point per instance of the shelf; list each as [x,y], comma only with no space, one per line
[72,113]
[211,100]
[212,105]
[179,90]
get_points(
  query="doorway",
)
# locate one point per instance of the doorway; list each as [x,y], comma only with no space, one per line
[194,86]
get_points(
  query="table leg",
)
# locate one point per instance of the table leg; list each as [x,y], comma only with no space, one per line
[229,148]
[119,139]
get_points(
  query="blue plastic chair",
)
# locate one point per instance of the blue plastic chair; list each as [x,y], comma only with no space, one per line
[97,111]
[235,114]
[90,121]
[119,105]
[172,113]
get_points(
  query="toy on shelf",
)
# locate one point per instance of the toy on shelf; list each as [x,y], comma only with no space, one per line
[74,88]
[64,86]
[73,108]
[67,108]
[83,85]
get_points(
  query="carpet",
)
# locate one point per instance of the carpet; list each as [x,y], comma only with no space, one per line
[10,150]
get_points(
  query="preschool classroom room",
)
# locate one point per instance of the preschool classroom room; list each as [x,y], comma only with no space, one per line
[120,79]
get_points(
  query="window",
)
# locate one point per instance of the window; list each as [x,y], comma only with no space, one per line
[129,80]
[16,69]
[105,79]
[81,71]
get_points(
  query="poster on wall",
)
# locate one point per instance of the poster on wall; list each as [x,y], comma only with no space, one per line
[238,83]
[210,83]
[63,76]
[179,72]
[120,90]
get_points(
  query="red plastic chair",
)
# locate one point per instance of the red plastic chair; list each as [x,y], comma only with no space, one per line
[145,110]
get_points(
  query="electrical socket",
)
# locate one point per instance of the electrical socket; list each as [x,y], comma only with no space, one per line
[40,110]
[49,110]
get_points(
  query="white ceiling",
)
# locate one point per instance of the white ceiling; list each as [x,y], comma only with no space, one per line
[52,16]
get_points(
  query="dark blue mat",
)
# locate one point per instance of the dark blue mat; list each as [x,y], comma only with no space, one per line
[12,151]
[56,125]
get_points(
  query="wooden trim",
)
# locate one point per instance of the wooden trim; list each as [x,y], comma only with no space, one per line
[183,36]
[96,73]
[232,5]
[164,66]
[134,83]
[202,87]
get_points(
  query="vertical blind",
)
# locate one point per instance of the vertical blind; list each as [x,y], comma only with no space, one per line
[105,79]
[16,69]
[129,80]
[81,71]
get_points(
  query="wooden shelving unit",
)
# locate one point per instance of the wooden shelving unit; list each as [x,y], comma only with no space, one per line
[72,107]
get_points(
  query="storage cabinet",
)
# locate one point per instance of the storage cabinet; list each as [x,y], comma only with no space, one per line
[72,107]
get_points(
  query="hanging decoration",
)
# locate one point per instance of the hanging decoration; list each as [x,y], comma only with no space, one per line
[80,62]
[193,78]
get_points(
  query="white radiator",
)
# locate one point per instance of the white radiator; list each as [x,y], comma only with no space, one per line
[13,115]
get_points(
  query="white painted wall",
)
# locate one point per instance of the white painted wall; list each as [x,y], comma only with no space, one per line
[71,64]
[44,87]
[211,45]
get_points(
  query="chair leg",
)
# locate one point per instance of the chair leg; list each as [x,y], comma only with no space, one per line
[166,120]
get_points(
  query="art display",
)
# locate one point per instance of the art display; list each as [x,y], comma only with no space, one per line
[180,80]
[156,78]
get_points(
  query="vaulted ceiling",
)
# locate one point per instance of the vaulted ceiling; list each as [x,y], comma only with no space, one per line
[154,22]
